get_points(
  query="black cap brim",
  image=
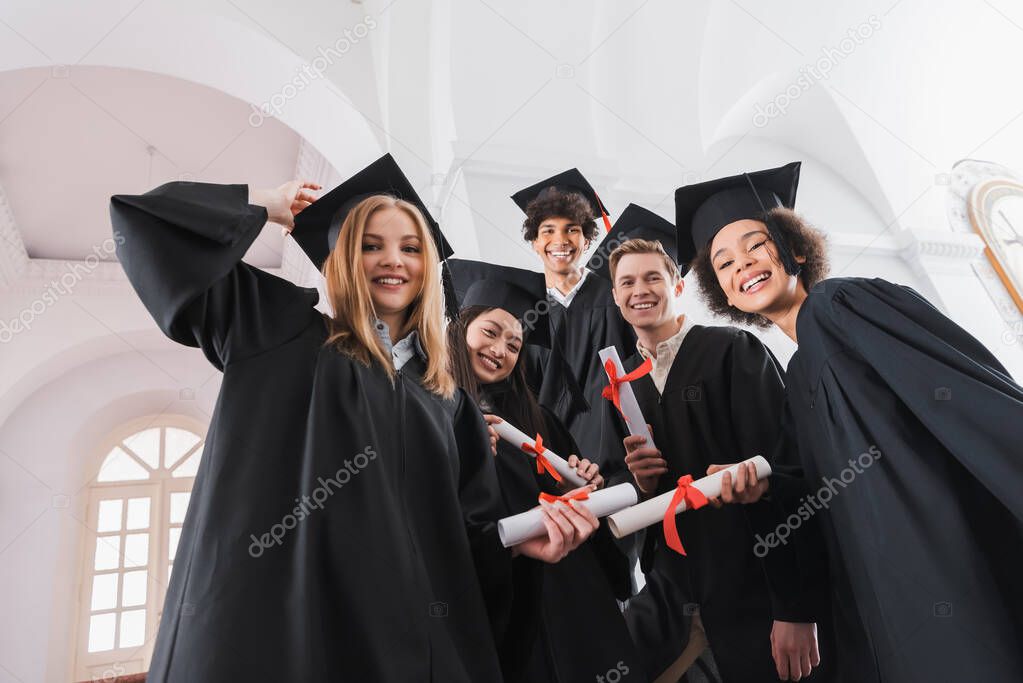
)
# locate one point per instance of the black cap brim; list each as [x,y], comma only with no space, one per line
[570,181]
[515,290]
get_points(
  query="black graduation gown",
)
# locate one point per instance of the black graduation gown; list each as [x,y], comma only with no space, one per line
[926,540]
[722,402]
[577,631]
[340,527]
[592,322]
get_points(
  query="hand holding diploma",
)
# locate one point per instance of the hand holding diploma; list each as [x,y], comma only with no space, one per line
[686,496]
[530,524]
[546,459]
[645,463]
[589,471]
[568,524]
[746,488]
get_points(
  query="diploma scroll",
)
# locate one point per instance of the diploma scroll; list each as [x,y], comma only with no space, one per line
[518,438]
[634,419]
[632,519]
[529,524]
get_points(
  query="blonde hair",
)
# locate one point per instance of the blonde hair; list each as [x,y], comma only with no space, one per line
[351,328]
[639,246]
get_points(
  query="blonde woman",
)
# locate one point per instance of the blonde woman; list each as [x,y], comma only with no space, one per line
[342,521]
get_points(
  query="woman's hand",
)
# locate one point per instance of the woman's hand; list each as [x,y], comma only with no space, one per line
[568,526]
[745,489]
[589,471]
[285,202]
[492,420]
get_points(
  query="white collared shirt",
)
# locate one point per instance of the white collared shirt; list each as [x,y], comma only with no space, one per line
[402,351]
[566,299]
[664,355]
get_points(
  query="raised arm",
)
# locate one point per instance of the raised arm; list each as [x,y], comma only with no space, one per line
[181,246]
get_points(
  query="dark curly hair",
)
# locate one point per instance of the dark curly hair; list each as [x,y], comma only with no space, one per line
[806,242]
[557,203]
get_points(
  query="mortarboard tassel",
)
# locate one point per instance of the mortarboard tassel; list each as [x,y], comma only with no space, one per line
[788,259]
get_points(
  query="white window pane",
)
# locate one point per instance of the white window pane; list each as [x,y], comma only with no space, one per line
[179,442]
[172,544]
[104,591]
[146,445]
[107,550]
[119,466]
[101,632]
[134,592]
[170,568]
[190,466]
[133,628]
[138,513]
[178,506]
[109,515]
[136,550]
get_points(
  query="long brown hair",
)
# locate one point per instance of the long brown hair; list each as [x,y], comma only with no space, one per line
[351,328]
[521,410]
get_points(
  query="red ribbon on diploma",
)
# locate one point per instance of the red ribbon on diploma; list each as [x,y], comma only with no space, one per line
[542,463]
[578,495]
[694,499]
[612,391]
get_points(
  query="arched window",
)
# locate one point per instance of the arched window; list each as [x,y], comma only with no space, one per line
[137,504]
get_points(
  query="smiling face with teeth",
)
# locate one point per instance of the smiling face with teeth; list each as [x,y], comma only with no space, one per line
[560,243]
[392,260]
[645,292]
[748,269]
[494,339]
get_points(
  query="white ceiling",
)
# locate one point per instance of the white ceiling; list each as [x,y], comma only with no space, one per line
[71,137]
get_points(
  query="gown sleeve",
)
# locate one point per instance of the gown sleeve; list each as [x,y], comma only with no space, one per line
[953,385]
[482,507]
[796,577]
[181,246]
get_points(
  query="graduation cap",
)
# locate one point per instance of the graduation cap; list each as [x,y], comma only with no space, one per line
[701,210]
[318,225]
[634,223]
[568,181]
[515,290]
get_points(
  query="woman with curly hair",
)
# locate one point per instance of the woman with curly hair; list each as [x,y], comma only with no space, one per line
[907,431]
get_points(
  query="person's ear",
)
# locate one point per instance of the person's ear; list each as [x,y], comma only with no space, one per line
[800,259]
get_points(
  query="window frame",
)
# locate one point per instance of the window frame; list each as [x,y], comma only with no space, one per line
[105,664]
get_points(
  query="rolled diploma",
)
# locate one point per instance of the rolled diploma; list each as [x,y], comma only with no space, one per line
[635,422]
[529,524]
[632,519]
[517,438]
